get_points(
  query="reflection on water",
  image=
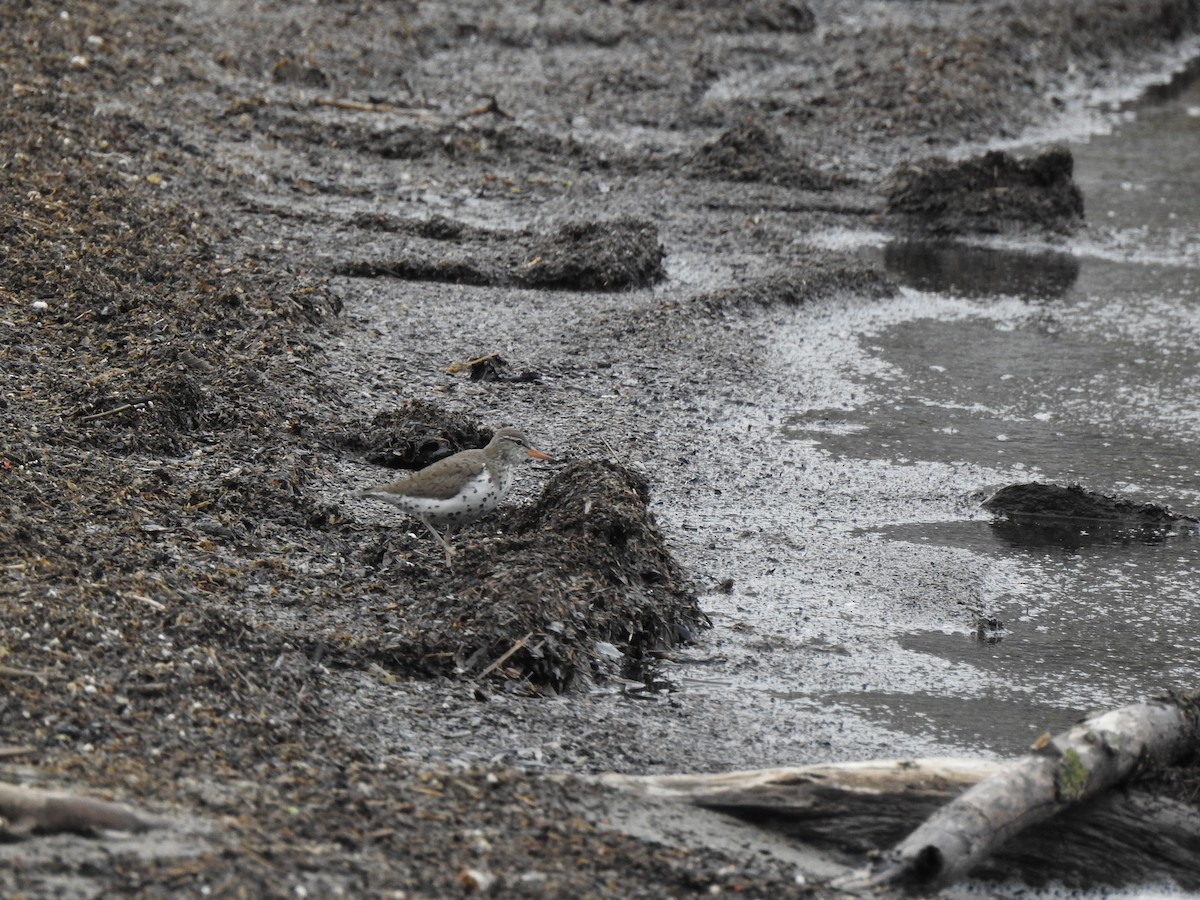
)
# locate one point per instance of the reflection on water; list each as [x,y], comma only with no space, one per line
[997,537]
[969,271]
[1073,536]
[1184,86]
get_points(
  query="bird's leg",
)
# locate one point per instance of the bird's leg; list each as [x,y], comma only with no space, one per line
[440,539]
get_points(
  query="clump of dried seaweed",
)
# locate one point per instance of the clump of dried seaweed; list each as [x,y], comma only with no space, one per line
[581,585]
[414,435]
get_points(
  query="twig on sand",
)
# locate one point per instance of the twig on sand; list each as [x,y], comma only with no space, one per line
[503,659]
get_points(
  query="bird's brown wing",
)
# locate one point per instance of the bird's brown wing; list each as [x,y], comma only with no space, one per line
[438,481]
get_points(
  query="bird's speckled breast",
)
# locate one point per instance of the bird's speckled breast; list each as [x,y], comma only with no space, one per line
[477,497]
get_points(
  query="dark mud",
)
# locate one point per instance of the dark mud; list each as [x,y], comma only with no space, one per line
[189,601]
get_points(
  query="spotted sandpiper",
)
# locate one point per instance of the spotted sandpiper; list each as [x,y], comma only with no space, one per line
[460,488]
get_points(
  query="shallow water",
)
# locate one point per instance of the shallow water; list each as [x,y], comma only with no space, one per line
[1070,362]
[1091,626]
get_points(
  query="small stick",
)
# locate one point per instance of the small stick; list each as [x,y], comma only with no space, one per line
[611,451]
[153,604]
[503,659]
[107,412]
[10,672]
[360,106]
[455,368]
[354,105]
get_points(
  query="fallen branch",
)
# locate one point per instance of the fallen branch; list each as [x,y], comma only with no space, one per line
[847,808]
[976,811]
[25,811]
[1095,755]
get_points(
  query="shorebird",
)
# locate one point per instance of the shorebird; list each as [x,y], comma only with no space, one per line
[460,488]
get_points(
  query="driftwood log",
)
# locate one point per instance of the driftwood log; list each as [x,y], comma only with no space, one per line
[26,811]
[846,809]
[983,818]
[1095,755]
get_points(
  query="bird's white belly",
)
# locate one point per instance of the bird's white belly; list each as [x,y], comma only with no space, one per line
[476,498]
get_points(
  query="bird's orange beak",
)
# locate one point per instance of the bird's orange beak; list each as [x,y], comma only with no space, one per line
[536,454]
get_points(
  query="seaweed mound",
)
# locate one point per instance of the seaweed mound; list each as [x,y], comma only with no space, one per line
[989,194]
[620,253]
[751,153]
[581,586]
[1071,516]
[414,435]
[624,252]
